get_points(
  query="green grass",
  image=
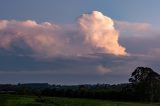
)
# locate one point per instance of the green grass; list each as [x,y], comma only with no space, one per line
[15,100]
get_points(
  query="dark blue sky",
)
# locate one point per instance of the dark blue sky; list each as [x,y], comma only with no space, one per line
[54,52]
[61,11]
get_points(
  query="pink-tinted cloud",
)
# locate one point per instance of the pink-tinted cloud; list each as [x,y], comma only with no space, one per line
[124,25]
[95,34]
[99,31]
[41,38]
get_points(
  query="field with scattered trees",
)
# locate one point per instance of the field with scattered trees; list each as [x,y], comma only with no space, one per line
[143,88]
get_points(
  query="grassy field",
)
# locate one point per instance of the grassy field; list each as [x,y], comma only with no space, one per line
[12,100]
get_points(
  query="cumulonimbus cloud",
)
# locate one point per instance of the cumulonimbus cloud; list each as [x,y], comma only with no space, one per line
[94,30]
[100,32]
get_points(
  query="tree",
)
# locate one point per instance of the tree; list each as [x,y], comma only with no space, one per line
[146,84]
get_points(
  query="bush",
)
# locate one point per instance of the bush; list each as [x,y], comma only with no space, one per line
[44,100]
[32,104]
[3,100]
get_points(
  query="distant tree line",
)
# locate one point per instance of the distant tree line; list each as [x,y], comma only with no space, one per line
[143,86]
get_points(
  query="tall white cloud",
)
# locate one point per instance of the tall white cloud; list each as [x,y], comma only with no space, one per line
[99,31]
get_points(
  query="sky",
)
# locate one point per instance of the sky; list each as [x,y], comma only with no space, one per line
[77,42]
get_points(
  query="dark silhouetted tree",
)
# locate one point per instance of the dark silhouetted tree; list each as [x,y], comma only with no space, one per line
[146,84]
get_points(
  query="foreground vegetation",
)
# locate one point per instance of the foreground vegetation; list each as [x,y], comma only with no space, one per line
[16,100]
[143,86]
